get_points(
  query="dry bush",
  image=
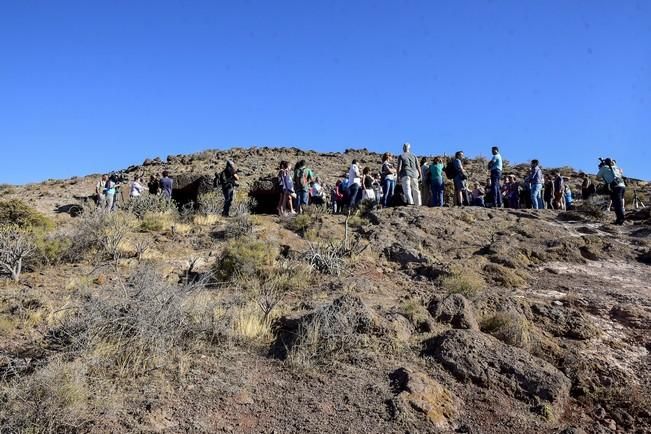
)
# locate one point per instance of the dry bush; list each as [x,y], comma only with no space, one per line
[150,204]
[511,328]
[245,257]
[342,329]
[300,223]
[54,399]
[99,233]
[134,328]
[416,313]
[331,257]
[467,283]
[16,246]
[240,224]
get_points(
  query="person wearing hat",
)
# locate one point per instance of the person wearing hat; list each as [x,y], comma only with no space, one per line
[614,180]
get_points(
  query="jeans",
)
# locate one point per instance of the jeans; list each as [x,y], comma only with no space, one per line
[410,190]
[438,189]
[228,199]
[496,175]
[389,186]
[353,190]
[617,196]
[301,198]
[536,196]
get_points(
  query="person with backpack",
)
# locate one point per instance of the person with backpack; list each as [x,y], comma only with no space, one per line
[409,173]
[535,179]
[388,179]
[286,186]
[166,185]
[227,179]
[437,182]
[614,179]
[354,185]
[495,167]
[455,170]
[302,178]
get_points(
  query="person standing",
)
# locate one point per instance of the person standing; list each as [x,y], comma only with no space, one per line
[354,185]
[409,173]
[460,177]
[535,180]
[302,178]
[110,189]
[166,185]
[559,191]
[286,189]
[614,180]
[228,181]
[437,182]
[388,179]
[100,197]
[495,166]
[136,187]
[425,185]
[153,185]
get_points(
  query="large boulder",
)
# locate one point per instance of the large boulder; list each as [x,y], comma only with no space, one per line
[483,360]
[189,187]
[403,255]
[455,310]
[564,322]
[266,192]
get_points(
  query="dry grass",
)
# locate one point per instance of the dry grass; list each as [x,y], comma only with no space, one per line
[505,277]
[158,222]
[245,257]
[205,219]
[467,283]
[511,328]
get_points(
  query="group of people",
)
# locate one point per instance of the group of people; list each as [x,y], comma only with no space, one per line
[420,182]
[109,188]
[423,182]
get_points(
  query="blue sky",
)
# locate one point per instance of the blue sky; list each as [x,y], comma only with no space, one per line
[92,86]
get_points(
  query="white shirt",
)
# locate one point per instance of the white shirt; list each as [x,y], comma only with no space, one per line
[136,189]
[353,175]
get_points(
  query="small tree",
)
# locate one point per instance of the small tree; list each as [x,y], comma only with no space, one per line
[16,245]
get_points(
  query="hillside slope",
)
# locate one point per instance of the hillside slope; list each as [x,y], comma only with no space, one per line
[405,319]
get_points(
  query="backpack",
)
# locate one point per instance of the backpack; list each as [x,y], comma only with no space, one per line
[300,178]
[450,170]
[617,180]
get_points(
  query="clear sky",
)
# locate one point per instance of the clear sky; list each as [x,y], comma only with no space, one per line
[92,86]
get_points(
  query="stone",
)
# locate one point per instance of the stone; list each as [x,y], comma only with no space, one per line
[425,395]
[564,322]
[455,310]
[403,255]
[480,358]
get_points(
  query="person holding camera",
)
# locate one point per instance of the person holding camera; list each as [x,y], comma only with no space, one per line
[227,179]
[614,180]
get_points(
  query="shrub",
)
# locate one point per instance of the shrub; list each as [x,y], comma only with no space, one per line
[16,245]
[51,249]
[16,212]
[211,203]
[99,232]
[245,257]
[506,277]
[157,222]
[510,327]
[150,204]
[240,224]
[339,329]
[468,283]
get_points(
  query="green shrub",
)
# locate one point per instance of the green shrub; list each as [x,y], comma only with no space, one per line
[16,212]
[51,249]
[245,257]
[148,203]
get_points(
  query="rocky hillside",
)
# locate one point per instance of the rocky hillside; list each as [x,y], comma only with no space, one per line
[406,319]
